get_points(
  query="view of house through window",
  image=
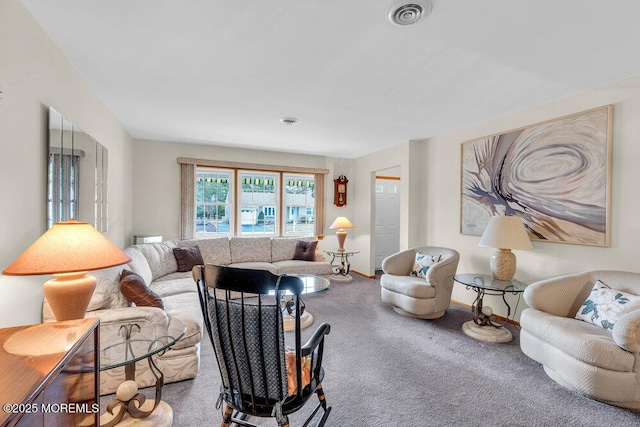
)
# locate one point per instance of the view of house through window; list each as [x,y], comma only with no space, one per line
[299,204]
[258,201]
[269,203]
[214,212]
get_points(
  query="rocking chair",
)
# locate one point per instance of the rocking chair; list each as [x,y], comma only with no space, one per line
[243,316]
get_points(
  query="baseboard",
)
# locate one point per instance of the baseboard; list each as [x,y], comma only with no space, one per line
[362,274]
[461,304]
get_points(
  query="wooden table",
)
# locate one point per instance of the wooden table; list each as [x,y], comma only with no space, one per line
[50,374]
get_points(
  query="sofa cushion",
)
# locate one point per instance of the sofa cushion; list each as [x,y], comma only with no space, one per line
[187,258]
[138,264]
[604,306]
[160,257]
[581,340]
[303,267]
[177,285]
[186,307]
[135,290]
[250,249]
[256,266]
[421,264]
[214,251]
[283,248]
[305,251]
[415,287]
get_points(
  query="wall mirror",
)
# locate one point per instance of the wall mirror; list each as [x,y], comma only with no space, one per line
[76,175]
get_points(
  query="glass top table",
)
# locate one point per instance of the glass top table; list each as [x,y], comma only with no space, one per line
[312,284]
[485,325]
[134,342]
[341,269]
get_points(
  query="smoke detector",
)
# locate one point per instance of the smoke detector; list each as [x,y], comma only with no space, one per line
[289,121]
[407,12]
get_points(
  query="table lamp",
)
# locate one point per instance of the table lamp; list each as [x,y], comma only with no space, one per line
[504,233]
[341,223]
[68,250]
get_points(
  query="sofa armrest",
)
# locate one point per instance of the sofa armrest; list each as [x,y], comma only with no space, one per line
[399,264]
[626,331]
[560,296]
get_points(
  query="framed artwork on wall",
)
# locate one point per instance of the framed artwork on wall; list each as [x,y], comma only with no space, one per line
[555,175]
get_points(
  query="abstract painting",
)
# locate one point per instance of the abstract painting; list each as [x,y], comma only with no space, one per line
[554,175]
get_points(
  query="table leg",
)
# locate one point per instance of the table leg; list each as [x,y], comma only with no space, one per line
[133,408]
[484,325]
[289,319]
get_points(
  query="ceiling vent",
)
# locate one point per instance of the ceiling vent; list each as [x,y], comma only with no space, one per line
[406,12]
[289,121]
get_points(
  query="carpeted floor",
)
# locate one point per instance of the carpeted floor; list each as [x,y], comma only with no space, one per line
[383,369]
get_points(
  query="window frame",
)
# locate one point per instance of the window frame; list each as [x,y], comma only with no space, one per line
[188,167]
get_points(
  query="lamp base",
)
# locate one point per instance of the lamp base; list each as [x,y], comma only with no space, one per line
[503,264]
[341,235]
[69,294]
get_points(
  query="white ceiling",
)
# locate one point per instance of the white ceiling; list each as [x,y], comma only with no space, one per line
[224,72]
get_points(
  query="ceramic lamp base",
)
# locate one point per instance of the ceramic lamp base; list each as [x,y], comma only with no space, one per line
[341,235]
[503,264]
[69,294]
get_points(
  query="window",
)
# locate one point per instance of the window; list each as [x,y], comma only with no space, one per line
[258,199]
[213,203]
[223,198]
[299,204]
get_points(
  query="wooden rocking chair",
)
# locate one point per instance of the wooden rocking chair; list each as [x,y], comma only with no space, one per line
[243,316]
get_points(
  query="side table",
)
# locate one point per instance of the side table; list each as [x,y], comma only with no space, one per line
[132,344]
[341,270]
[485,325]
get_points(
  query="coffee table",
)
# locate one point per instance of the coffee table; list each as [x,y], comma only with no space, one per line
[485,325]
[312,284]
[132,343]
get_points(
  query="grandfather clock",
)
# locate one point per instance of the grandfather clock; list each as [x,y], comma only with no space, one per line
[340,191]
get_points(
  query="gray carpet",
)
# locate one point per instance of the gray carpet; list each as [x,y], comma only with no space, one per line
[383,369]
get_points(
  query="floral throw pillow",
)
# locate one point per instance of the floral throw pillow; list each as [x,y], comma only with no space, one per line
[422,264]
[604,306]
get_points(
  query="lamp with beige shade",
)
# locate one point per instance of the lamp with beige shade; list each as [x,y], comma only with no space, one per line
[68,250]
[341,223]
[505,233]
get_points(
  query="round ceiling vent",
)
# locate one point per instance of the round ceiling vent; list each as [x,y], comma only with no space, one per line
[289,121]
[406,12]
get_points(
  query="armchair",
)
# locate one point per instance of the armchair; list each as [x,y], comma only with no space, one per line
[425,298]
[243,317]
[581,356]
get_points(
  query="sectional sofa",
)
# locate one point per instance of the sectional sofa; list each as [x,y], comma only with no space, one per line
[156,264]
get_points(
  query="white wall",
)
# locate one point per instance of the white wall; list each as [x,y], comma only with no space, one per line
[400,158]
[156,180]
[441,191]
[33,76]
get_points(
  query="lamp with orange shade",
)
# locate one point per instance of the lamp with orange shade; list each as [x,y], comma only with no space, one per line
[68,250]
[341,223]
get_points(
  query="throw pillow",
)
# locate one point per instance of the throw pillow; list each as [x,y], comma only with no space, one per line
[292,377]
[305,251]
[422,263]
[188,257]
[605,306]
[135,290]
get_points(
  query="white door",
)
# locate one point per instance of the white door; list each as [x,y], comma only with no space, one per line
[387,218]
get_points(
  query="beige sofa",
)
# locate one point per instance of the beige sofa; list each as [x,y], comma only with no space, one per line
[157,265]
[425,298]
[602,364]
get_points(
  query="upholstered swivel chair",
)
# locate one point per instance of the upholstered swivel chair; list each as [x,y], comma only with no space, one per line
[243,316]
[582,356]
[426,298]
